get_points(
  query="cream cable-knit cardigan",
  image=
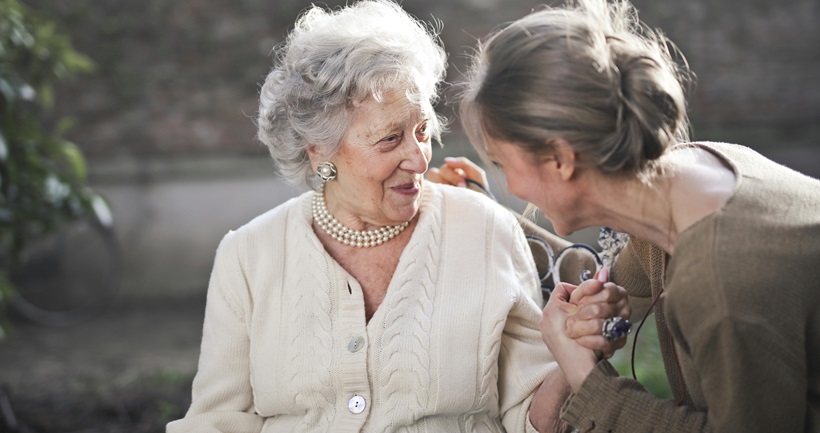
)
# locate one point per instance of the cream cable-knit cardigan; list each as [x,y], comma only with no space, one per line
[454,346]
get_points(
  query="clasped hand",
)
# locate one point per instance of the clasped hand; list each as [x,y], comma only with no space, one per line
[573,319]
[572,323]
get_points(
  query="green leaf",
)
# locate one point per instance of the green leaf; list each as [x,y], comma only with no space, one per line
[77,62]
[44,176]
[46,95]
[21,37]
[64,125]
[102,211]
[75,159]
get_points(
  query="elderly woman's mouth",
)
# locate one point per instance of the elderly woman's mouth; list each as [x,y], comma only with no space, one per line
[410,188]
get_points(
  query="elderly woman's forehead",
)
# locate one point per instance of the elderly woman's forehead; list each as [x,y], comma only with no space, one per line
[375,118]
[396,102]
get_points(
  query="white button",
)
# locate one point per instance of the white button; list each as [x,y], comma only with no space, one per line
[355,344]
[356,404]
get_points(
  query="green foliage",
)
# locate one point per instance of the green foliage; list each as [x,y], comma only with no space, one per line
[42,176]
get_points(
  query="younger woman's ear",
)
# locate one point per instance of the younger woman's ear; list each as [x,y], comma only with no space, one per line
[565,158]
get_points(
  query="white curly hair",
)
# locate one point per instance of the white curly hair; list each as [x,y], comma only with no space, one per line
[333,59]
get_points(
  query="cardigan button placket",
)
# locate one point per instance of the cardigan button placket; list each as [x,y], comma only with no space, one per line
[357,404]
[355,344]
[353,341]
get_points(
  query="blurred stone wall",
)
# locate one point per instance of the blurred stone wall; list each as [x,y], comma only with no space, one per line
[166,118]
[181,77]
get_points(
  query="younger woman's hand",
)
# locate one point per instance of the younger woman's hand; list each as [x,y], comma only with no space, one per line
[456,172]
[597,299]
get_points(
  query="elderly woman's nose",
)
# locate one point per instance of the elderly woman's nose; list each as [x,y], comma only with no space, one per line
[416,156]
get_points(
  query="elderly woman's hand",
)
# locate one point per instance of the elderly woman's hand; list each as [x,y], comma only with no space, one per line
[576,361]
[457,171]
[597,300]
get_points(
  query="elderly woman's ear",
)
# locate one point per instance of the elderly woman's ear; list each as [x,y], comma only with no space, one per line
[315,156]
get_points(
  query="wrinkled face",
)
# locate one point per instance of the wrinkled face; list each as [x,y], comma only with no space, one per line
[381,162]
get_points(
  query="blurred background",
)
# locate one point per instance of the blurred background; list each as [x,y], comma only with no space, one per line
[164,119]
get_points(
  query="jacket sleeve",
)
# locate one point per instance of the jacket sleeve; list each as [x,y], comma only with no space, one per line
[749,352]
[608,403]
[222,397]
[745,387]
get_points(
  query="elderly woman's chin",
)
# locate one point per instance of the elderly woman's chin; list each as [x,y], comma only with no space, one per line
[405,199]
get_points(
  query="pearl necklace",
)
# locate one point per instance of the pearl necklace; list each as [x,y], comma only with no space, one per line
[354,238]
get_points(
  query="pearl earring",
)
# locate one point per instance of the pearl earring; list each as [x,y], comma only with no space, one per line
[326,171]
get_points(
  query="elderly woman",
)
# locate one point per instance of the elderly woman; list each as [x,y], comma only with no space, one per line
[376,302]
[583,110]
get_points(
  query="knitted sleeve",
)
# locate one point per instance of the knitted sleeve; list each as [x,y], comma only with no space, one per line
[574,262]
[523,356]
[222,398]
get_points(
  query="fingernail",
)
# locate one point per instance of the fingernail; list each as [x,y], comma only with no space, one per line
[603,275]
[462,184]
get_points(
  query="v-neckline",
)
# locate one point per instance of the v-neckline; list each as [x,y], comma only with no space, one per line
[404,261]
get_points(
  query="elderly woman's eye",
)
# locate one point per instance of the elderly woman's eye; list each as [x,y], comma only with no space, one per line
[497,165]
[389,142]
[423,133]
